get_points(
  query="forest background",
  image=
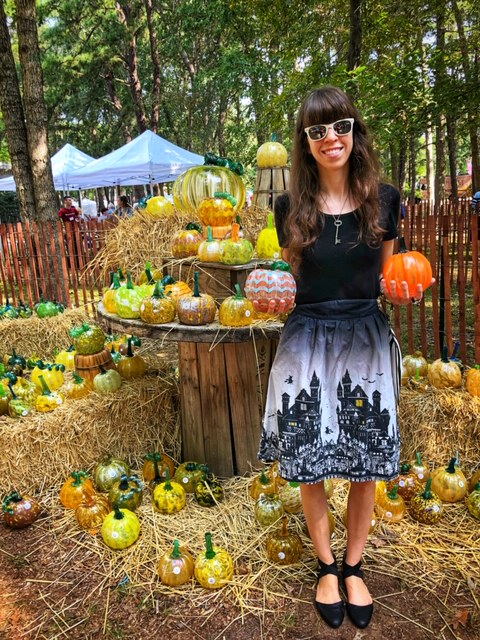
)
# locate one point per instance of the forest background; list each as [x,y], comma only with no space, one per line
[224,75]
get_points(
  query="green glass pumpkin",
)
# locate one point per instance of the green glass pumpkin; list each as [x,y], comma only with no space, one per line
[236,311]
[236,250]
[20,511]
[473,502]
[5,398]
[169,497]
[268,509]
[87,339]
[175,567]
[426,507]
[284,546]
[46,309]
[129,298]
[108,471]
[213,567]
[126,493]
[449,482]
[208,491]
[121,528]
[107,381]
[188,474]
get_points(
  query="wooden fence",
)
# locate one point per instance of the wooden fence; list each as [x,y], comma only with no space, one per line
[50,258]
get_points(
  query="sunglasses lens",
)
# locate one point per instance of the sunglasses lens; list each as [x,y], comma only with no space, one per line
[342,127]
[317,132]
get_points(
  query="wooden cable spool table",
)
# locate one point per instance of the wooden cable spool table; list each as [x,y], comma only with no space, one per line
[223,382]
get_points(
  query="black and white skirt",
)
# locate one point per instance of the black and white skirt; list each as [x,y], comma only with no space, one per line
[332,395]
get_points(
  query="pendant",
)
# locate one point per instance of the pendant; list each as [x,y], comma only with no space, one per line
[338,224]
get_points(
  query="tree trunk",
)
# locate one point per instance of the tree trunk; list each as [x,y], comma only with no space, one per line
[157,80]
[14,120]
[355,46]
[430,163]
[394,163]
[413,167]
[452,154]
[440,160]
[402,166]
[440,81]
[116,103]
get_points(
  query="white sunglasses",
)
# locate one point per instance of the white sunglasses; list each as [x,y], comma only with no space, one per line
[340,127]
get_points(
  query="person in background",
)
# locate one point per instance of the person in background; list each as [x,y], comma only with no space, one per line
[103,214]
[124,208]
[476,201]
[69,213]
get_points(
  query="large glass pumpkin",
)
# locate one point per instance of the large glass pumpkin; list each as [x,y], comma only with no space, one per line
[272,287]
[159,207]
[444,373]
[407,266]
[198,183]
[271,154]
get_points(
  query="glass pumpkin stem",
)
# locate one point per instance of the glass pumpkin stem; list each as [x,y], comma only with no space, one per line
[445,357]
[176,555]
[270,222]
[451,466]
[263,477]
[119,515]
[238,292]
[196,286]
[148,273]
[13,497]
[393,494]
[77,379]
[405,467]
[130,353]
[123,483]
[158,292]
[280,265]
[284,526]
[427,494]
[209,553]
[235,231]
[78,478]
[418,456]
[45,387]
[129,280]
[14,395]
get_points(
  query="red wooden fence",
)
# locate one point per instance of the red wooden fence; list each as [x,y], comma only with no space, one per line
[50,258]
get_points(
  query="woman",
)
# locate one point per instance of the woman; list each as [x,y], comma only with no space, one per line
[333,388]
[124,208]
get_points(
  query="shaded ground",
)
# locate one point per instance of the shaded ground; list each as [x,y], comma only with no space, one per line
[46,587]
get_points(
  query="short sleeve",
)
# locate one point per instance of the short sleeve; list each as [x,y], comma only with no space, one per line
[281,209]
[390,210]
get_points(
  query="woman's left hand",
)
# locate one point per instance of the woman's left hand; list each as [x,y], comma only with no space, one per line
[402,295]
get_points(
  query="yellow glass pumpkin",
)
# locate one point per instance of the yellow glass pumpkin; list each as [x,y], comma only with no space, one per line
[159,207]
[169,497]
[48,400]
[198,183]
[175,567]
[211,249]
[426,506]
[267,246]
[449,483]
[159,308]
[51,373]
[213,567]
[185,243]
[131,365]
[236,311]
[196,308]
[291,497]
[392,506]
[284,546]
[414,363]
[109,298]
[67,357]
[76,387]
[473,502]
[472,380]
[444,373]
[175,289]
[271,154]
[268,509]
[188,474]
[236,250]
[120,528]
[262,484]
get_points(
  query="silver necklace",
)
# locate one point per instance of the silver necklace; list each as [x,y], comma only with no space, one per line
[336,217]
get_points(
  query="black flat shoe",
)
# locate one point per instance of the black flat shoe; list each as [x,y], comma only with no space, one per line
[332,614]
[360,615]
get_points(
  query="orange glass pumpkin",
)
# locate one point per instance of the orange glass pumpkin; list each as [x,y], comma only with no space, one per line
[91,513]
[131,365]
[262,484]
[158,465]
[175,289]
[217,212]
[75,489]
[415,364]
[185,243]
[407,266]
[175,567]
[284,546]
[274,286]
[391,507]
[449,483]
[472,381]
[407,481]
[196,308]
[444,373]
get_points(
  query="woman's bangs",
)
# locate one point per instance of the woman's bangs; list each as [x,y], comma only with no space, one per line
[324,107]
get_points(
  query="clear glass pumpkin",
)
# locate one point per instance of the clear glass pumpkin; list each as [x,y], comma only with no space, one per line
[291,497]
[275,286]
[284,546]
[268,509]
[392,506]
[236,250]
[211,249]
[107,381]
[419,468]
[236,311]
[426,506]
[120,528]
[198,183]
[175,567]
[444,373]
[214,566]
[91,513]
[449,483]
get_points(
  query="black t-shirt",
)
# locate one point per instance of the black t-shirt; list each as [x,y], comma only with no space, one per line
[346,271]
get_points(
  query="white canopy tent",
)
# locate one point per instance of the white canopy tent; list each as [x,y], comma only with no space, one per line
[145,160]
[64,162]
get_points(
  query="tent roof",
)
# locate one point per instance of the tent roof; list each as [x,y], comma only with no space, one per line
[66,160]
[148,158]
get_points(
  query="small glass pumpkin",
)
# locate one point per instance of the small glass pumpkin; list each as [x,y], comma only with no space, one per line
[419,468]
[185,243]
[213,567]
[107,381]
[236,311]
[169,497]
[407,266]
[91,513]
[108,471]
[26,390]
[131,365]
[17,407]
[67,358]
[211,249]
[449,483]
[109,298]
[262,484]
[473,480]
[159,308]
[175,289]
[129,297]
[473,502]
[271,154]
[272,288]
[392,506]
[120,528]
[408,484]
[291,497]
[236,250]
[76,388]
[149,275]
[472,381]
[426,507]
[415,362]
[444,373]
[208,491]
[188,474]
[87,339]
[284,546]
[5,398]
[157,465]
[268,509]
[126,493]
[196,309]
[48,400]
[20,511]
[75,489]
[175,567]
[267,246]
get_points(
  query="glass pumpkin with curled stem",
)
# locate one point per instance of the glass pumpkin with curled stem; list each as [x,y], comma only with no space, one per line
[236,250]
[48,400]
[159,308]
[169,497]
[414,363]
[473,501]
[188,474]
[127,492]
[267,246]
[197,308]
[175,566]
[131,365]
[175,289]
[18,407]
[67,358]
[443,373]
[15,362]
[272,288]
[20,511]
[407,481]
[120,528]
[449,483]
[108,471]
[75,489]
[284,546]
[210,249]
[208,491]
[87,339]
[474,480]
[109,297]
[419,468]
[392,506]
[76,387]
[157,465]
[291,497]
[107,381]
[426,506]
[271,154]
[472,381]
[407,266]
[213,568]
[185,242]
[262,484]
[53,374]
[236,311]
[268,509]
[91,513]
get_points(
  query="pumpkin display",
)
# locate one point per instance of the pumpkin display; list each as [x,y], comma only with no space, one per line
[284,546]
[236,311]
[175,289]
[272,288]
[392,506]
[51,373]
[473,480]
[472,381]
[91,513]
[449,483]
[407,481]
[473,501]
[120,528]
[109,298]
[407,266]
[236,250]
[76,388]
[268,509]
[107,381]
[271,154]
[198,183]
[18,407]
[210,249]
[188,474]
[185,242]
[208,491]
[158,308]
[87,339]
[262,484]
[175,567]
[415,364]
[159,207]
[267,246]
[196,308]
[425,506]
[75,489]
[131,365]
[444,373]
[126,493]
[129,298]
[48,400]
[213,567]
[108,471]
[66,357]
[157,465]
[20,511]
[419,468]
[89,366]
[5,397]
[169,497]
[291,497]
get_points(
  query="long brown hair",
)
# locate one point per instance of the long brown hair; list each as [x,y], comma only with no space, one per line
[329,104]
